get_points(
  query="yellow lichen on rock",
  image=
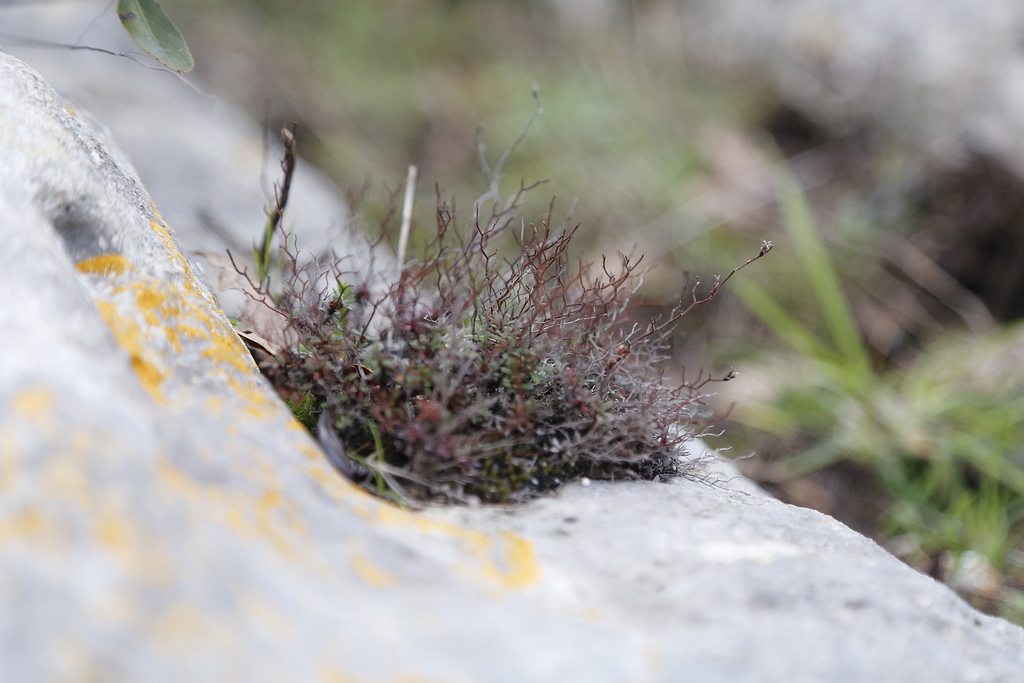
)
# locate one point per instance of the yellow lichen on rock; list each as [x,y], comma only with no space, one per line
[33,403]
[244,512]
[106,264]
[498,563]
[171,318]
[192,285]
[25,524]
[367,570]
[145,362]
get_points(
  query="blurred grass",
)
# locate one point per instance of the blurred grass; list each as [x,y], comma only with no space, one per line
[943,436]
[669,160]
[377,86]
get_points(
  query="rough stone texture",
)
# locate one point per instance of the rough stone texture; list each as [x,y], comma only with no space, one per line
[947,77]
[203,161]
[718,585]
[162,518]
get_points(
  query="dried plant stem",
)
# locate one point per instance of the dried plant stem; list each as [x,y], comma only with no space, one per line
[494,175]
[403,235]
[264,251]
[654,327]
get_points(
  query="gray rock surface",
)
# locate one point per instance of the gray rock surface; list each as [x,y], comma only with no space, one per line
[946,77]
[162,517]
[205,162]
[719,585]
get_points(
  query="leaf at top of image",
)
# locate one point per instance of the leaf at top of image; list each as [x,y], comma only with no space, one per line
[154,32]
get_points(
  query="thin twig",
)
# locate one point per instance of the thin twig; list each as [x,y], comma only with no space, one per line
[495,175]
[280,203]
[766,246]
[35,42]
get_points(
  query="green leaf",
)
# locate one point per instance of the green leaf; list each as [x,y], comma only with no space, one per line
[153,30]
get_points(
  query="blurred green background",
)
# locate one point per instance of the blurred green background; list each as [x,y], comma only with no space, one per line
[878,383]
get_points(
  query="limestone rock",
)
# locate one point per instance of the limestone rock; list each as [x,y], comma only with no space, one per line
[944,76]
[204,162]
[718,585]
[162,517]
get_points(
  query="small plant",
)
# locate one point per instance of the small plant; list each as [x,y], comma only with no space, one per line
[477,377]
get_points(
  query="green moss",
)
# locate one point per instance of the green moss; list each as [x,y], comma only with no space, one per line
[306,410]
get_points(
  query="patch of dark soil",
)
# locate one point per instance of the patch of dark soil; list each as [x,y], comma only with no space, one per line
[972,226]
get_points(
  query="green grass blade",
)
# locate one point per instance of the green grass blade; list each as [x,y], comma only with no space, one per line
[852,378]
[154,32]
[775,318]
[824,282]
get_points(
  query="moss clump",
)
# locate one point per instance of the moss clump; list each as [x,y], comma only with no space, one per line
[305,410]
[480,377]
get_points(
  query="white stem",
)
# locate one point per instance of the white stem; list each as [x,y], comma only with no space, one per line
[403,235]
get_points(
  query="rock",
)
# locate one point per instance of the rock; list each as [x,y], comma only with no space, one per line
[717,585]
[916,105]
[163,518]
[942,76]
[206,162]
